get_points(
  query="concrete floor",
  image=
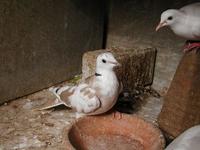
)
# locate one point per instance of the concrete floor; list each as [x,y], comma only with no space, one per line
[23,128]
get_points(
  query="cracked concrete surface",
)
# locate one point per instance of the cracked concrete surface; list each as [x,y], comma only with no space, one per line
[25,128]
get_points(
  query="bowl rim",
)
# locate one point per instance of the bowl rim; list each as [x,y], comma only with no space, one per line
[68,146]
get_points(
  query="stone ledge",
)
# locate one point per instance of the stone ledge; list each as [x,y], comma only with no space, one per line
[137,65]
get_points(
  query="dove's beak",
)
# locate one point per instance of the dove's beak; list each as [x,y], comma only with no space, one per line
[160,25]
[115,63]
[118,64]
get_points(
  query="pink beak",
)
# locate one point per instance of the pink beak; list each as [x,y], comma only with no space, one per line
[115,63]
[160,25]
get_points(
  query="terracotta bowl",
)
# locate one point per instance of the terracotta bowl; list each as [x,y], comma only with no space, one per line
[109,133]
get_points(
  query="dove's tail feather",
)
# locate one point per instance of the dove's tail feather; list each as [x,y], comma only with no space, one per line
[54,91]
[58,101]
[57,91]
[50,104]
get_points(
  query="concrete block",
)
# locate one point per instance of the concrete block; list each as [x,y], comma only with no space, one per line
[42,42]
[182,102]
[137,65]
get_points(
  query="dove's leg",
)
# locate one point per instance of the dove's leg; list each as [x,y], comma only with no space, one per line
[190,45]
[118,115]
[79,115]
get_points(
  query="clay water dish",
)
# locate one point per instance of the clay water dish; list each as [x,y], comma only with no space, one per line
[109,133]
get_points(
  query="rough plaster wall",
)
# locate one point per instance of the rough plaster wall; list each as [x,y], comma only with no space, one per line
[42,42]
[132,23]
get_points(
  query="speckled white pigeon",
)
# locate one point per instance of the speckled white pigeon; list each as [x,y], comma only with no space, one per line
[97,94]
[184,22]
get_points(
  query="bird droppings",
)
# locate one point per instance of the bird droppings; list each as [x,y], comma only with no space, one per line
[132,102]
[75,80]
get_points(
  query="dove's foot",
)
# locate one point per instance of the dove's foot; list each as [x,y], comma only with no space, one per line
[79,115]
[117,115]
[190,45]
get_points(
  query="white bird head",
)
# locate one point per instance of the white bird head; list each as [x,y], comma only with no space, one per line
[168,18]
[106,61]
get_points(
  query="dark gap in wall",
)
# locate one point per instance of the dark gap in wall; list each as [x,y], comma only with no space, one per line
[106,22]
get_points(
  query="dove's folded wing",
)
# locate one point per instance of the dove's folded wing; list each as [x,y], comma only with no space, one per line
[192,9]
[84,99]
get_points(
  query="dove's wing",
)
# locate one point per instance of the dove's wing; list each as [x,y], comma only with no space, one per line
[192,9]
[84,99]
[192,12]
[50,104]
[61,97]
[64,93]
[89,80]
[80,97]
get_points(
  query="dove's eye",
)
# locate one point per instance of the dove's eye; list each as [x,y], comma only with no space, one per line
[170,18]
[103,60]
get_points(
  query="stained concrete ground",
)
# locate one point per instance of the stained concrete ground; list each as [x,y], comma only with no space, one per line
[23,128]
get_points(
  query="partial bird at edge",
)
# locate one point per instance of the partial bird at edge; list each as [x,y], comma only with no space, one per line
[185,23]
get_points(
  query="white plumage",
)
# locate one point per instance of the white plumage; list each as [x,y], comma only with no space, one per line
[184,22]
[188,140]
[97,94]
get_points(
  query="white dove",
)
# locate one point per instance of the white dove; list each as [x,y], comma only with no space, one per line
[188,140]
[184,22]
[97,94]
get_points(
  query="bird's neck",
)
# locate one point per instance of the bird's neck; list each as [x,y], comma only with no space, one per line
[108,82]
[104,72]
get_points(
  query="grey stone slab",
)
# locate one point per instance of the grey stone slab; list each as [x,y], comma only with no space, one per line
[42,42]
